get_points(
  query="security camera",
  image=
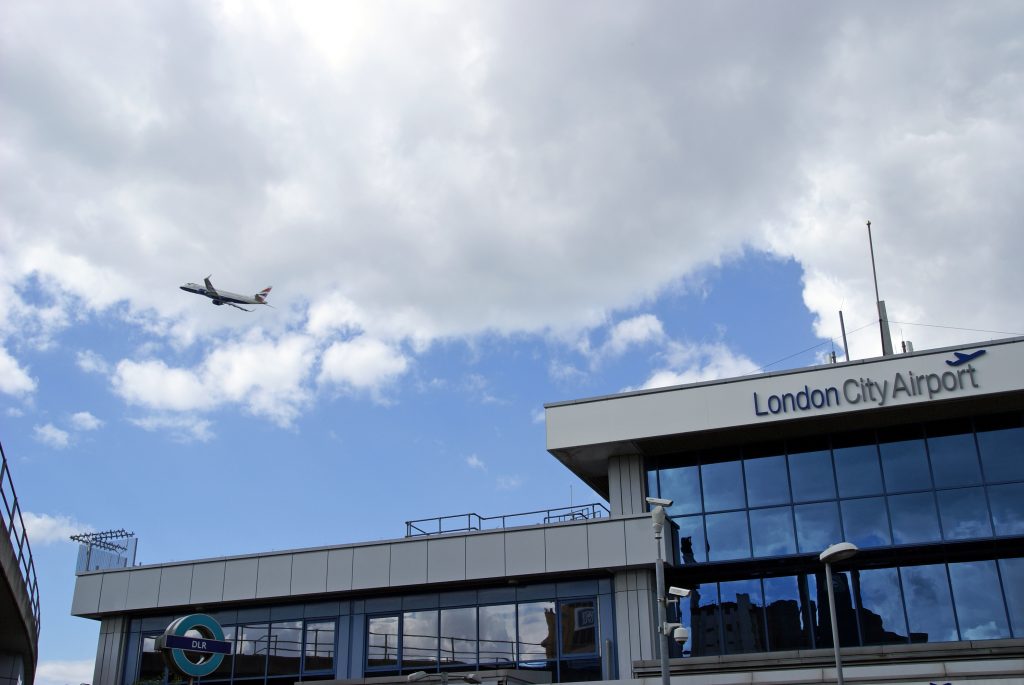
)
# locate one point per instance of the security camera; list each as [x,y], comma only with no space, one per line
[668,628]
[680,634]
[678,591]
[659,501]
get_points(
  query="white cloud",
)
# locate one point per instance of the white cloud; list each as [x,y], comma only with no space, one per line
[14,412]
[538,415]
[362,363]
[182,427]
[44,529]
[14,379]
[474,462]
[64,672]
[50,435]
[84,421]
[688,363]
[632,332]
[509,482]
[91,362]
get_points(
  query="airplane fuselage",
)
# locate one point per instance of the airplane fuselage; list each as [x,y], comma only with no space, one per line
[220,296]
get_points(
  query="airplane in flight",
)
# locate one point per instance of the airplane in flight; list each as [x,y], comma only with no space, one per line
[221,297]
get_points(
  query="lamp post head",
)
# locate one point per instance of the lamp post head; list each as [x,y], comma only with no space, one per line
[838,552]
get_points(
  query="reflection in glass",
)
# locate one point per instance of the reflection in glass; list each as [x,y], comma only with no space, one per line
[1007,508]
[817,526]
[954,460]
[881,606]
[579,627]
[723,486]
[419,639]
[964,514]
[904,463]
[458,637]
[319,646]
[728,537]
[866,522]
[979,604]
[579,670]
[811,476]
[224,670]
[857,470]
[285,648]
[704,631]
[682,486]
[767,481]
[929,609]
[742,616]
[1012,572]
[382,639]
[536,631]
[497,636]
[914,518]
[846,617]
[787,616]
[151,663]
[251,658]
[1001,441]
[772,531]
[692,548]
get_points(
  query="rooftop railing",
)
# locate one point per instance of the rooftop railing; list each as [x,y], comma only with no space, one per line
[464,523]
[14,527]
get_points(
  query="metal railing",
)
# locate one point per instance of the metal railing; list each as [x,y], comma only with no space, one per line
[464,523]
[14,527]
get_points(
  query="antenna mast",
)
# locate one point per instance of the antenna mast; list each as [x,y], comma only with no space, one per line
[883,322]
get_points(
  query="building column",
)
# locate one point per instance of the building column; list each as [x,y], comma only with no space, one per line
[627,485]
[110,651]
[635,619]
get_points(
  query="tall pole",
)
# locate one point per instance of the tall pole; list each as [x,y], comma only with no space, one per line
[883,325]
[832,616]
[659,571]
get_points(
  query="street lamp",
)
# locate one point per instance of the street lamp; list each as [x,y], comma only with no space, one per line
[658,521]
[837,552]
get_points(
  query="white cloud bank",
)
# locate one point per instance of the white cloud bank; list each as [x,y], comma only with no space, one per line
[51,436]
[64,672]
[45,529]
[84,421]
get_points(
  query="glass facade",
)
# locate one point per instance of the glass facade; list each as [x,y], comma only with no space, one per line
[904,488]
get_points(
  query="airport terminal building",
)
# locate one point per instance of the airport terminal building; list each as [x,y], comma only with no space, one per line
[917,459]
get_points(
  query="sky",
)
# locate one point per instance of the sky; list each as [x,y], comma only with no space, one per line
[466,210]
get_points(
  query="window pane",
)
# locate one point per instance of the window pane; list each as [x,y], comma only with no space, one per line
[382,642]
[536,631]
[1007,508]
[151,665]
[1012,571]
[497,636]
[285,648]
[742,616]
[904,463]
[692,548]
[929,608]
[857,470]
[579,627]
[319,646]
[458,637]
[881,606]
[224,670]
[811,476]
[728,537]
[817,526]
[845,615]
[579,670]
[682,486]
[913,518]
[954,458]
[866,522]
[723,486]
[652,483]
[419,640]
[1002,449]
[964,514]
[704,632]
[767,481]
[787,617]
[772,531]
[979,608]
[253,645]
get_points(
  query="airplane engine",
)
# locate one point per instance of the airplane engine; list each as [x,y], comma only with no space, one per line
[218,302]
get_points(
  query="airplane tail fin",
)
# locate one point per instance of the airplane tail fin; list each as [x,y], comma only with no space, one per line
[262,295]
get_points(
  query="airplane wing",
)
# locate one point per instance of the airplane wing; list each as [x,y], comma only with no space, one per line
[209,286]
[237,307]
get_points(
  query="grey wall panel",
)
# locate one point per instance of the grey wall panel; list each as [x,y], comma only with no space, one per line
[226,617]
[240,579]
[446,559]
[535,591]
[143,588]
[175,585]
[322,610]
[614,487]
[496,595]
[408,563]
[290,612]
[606,544]
[419,602]
[565,548]
[342,648]
[253,614]
[524,552]
[309,572]
[380,605]
[339,570]
[640,547]
[114,592]
[357,646]
[462,598]
[86,599]
[371,567]
[577,588]
[274,576]
[207,582]
[485,556]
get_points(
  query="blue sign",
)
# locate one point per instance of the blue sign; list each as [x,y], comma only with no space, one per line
[195,635]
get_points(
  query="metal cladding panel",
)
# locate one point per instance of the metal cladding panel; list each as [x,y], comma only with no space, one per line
[640,545]
[446,559]
[485,556]
[565,548]
[339,570]
[207,582]
[87,595]
[309,572]
[524,552]
[240,579]
[274,576]
[607,544]
[114,592]
[176,585]
[143,588]
[371,567]
[409,563]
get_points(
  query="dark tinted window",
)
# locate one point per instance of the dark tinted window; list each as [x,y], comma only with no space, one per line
[817,526]
[497,636]
[704,621]
[904,461]
[1001,442]
[251,658]
[772,531]
[979,608]
[810,474]
[866,522]
[767,481]
[458,637]
[691,539]
[913,518]
[857,469]
[382,638]
[929,608]
[728,537]
[579,627]
[723,486]
[881,606]
[954,455]
[319,646]
[786,614]
[682,486]
[742,616]
[537,631]
[964,513]
[285,648]
[846,616]
[1007,508]
[1012,571]
[419,640]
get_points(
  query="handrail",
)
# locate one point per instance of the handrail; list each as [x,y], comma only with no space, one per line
[14,526]
[463,523]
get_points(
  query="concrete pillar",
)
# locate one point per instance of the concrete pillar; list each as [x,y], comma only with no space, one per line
[635,619]
[110,651]
[627,485]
